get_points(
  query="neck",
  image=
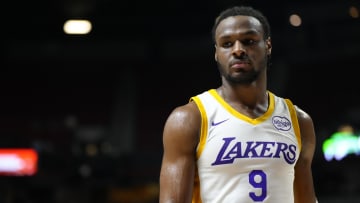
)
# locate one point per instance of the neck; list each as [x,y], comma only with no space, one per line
[247,94]
[250,99]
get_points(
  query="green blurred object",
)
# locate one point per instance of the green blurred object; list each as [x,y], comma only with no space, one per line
[340,145]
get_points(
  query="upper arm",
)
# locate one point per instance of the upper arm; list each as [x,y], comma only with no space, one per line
[303,184]
[180,138]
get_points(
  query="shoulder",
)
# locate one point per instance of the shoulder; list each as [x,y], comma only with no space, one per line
[303,117]
[185,114]
[183,123]
[189,114]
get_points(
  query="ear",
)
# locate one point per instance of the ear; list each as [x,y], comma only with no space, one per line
[216,57]
[268,46]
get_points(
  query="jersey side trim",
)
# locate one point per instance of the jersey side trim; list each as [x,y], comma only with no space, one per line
[204,126]
[295,121]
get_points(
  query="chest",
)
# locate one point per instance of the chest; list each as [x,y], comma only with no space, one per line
[235,142]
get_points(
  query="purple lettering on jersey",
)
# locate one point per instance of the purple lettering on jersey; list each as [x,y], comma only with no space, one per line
[250,148]
[266,149]
[226,158]
[288,152]
[232,150]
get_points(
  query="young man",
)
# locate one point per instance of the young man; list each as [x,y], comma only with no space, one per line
[238,143]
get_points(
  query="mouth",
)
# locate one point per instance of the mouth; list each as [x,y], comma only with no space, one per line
[240,64]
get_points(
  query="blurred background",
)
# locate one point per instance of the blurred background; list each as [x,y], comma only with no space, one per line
[93,106]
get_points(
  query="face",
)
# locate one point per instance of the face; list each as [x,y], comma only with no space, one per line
[241,50]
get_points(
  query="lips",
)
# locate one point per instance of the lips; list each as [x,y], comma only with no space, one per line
[239,64]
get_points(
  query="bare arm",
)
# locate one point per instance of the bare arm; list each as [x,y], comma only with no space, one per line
[180,138]
[303,186]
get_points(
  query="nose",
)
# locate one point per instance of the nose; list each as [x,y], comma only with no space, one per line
[238,48]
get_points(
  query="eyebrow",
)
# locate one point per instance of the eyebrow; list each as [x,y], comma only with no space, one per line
[248,32]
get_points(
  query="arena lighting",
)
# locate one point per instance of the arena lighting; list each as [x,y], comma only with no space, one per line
[354,12]
[18,162]
[77,27]
[295,20]
[340,145]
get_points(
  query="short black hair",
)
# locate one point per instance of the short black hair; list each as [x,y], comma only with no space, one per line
[245,11]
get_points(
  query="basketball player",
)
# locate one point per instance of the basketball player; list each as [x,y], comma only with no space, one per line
[238,143]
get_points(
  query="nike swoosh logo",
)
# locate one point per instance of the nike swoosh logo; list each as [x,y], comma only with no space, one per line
[217,123]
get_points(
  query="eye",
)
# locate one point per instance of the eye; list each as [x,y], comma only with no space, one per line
[248,42]
[227,44]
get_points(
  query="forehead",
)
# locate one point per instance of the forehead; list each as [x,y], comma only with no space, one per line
[238,24]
